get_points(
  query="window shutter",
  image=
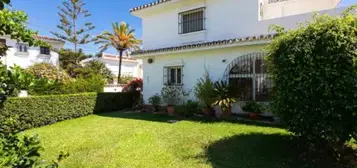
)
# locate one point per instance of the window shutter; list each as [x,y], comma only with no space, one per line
[165,73]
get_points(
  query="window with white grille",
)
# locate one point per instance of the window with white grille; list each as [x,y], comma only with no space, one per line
[173,75]
[192,21]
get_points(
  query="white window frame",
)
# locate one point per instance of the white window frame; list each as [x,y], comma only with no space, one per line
[178,77]
[181,24]
[49,51]
[22,47]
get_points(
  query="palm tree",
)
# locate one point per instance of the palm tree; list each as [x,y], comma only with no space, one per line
[122,39]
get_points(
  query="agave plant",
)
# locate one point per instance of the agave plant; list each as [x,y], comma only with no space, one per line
[225,95]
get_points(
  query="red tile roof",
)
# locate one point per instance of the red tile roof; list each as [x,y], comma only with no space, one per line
[205,44]
[48,38]
[148,5]
[116,57]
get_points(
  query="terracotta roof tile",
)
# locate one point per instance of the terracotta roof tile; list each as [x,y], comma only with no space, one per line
[148,5]
[48,38]
[205,44]
[116,57]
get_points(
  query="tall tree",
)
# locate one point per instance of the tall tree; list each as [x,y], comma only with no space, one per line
[70,60]
[70,12]
[122,39]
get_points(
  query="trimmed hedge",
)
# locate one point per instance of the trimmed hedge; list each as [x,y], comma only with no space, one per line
[38,111]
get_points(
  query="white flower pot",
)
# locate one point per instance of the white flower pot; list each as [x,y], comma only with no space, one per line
[23,93]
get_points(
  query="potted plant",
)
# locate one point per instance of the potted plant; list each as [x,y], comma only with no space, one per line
[155,101]
[172,96]
[253,108]
[204,92]
[225,96]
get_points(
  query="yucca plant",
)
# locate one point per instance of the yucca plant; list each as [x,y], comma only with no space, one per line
[225,95]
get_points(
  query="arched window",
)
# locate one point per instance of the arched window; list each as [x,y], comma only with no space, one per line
[249,73]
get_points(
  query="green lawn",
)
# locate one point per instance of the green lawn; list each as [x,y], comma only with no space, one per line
[146,140]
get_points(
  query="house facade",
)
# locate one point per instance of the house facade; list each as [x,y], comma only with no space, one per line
[183,39]
[130,67]
[24,56]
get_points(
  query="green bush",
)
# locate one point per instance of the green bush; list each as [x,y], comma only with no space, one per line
[43,110]
[49,71]
[314,72]
[155,101]
[253,107]
[94,83]
[22,150]
[188,109]
[204,91]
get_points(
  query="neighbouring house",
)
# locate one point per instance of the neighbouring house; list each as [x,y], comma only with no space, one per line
[131,67]
[184,38]
[24,56]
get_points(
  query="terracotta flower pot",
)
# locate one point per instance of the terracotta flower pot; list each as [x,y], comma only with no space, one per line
[254,116]
[171,110]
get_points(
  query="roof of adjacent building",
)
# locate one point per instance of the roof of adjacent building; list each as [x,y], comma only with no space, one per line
[148,5]
[204,44]
[48,38]
[116,57]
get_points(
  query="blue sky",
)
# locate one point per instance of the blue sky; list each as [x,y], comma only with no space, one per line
[43,16]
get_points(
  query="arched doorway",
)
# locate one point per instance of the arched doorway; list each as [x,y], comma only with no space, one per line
[250,73]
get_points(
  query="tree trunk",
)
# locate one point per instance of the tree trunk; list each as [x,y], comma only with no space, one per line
[120,60]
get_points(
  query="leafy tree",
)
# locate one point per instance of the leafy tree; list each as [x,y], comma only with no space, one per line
[7,83]
[70,12]
[314,72]
[13,24]
[48,71]
[3,3]
[122,39]
[94,68]
[70,61]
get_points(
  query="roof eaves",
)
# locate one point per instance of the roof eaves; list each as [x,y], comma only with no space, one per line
[148,5]
[206,44]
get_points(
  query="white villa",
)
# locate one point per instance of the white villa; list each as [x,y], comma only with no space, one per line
[182,38]
[130,67]
[24,56]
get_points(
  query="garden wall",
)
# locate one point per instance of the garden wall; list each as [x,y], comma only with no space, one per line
[38,111]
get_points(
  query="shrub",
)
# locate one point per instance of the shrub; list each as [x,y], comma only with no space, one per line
[43,110]
[95,83]
[125,79]
[188,109]
[225,95]
[204,91]
[134,85]
[155,101]
[22,150]
[173,95]
[252,107]
[49,71]
[92,68]
[43,86]
[315,78]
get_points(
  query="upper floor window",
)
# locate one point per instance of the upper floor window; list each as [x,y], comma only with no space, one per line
[173,75]
[192,21]
[21,47]
[45,50]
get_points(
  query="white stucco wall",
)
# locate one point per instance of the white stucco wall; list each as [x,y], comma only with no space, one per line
[225,19]
[24,60]
[194,64]
[294,7]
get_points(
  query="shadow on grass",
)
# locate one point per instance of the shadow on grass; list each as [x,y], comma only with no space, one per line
[254,151]
[165,118]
